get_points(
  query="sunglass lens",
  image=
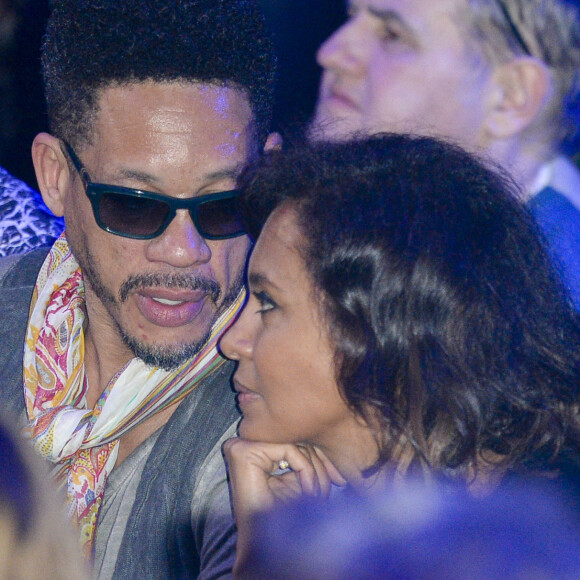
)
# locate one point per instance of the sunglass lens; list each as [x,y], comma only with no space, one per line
[220,218]
[132,215]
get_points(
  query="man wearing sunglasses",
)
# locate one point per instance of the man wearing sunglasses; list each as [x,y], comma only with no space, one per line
[498,76]
[154,108]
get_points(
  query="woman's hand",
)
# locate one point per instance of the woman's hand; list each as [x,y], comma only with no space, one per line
[255,486]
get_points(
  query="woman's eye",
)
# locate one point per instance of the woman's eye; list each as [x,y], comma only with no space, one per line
[265,302]
[390,34]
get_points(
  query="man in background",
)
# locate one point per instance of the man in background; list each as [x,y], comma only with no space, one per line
[154,108]
[497,76]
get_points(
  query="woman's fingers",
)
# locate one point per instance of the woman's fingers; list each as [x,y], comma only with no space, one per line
[269,457]
[335,476]
[323,480]
[252,465]
[257,482]
[256,479]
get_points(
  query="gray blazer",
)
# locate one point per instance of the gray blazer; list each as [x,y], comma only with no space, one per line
[160,539]
[17,278]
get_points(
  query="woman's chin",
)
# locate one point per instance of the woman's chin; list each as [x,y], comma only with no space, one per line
[256,431]
[249,430]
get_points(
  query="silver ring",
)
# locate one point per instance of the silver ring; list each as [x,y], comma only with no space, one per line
[283,465]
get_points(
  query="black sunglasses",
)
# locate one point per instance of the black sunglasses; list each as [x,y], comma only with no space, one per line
[143,215]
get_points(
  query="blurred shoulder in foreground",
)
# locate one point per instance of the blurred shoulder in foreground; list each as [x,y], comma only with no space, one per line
[522,530]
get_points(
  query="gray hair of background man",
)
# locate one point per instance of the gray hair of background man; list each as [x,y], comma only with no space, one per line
[548,30]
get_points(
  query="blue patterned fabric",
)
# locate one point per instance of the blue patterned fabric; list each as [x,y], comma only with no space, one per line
[25,222]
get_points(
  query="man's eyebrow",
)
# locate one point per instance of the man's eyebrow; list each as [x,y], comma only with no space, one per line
[141,176]
[150,179]
[229,173]
[387,15]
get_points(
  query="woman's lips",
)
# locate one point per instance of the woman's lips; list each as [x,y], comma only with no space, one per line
[168,307]
[245,395]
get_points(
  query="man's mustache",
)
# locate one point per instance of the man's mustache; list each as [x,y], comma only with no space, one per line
[181,281]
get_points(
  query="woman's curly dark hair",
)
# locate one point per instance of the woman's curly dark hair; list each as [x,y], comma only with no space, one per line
[447,315]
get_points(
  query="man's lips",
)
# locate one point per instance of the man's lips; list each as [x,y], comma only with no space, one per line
[170,307]
[333,96]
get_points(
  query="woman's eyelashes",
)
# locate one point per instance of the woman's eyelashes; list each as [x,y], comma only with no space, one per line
[389,33]
[266,303]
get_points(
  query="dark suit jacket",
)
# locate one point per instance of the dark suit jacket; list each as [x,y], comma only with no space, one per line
[560,222]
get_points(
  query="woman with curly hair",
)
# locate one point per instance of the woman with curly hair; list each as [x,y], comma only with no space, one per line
[403,318]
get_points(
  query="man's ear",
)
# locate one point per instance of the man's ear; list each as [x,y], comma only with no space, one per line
[52,171]
[521,90]
[274,141]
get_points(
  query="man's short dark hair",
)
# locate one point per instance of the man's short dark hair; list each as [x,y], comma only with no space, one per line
[94,44]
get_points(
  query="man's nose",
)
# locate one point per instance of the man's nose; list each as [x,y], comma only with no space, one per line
[180,245]
[339,50]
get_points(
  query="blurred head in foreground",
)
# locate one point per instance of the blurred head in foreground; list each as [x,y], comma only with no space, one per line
[35,543]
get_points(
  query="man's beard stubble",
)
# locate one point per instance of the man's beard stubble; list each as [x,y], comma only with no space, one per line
[167,357]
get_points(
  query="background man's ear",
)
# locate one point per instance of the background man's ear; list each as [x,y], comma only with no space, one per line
[274,141]
[52,172]
[523,88]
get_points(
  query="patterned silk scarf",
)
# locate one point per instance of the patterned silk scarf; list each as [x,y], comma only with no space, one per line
[82,442]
